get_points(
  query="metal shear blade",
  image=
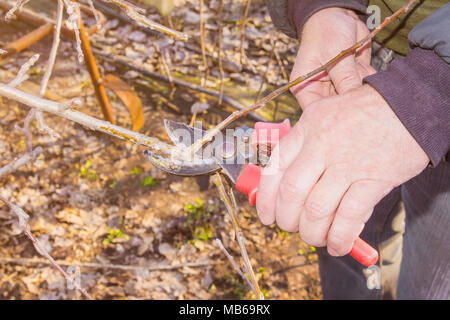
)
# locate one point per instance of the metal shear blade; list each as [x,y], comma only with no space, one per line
[183,136]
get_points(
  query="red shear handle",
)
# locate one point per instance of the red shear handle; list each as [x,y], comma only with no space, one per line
[364,253]
[248,182]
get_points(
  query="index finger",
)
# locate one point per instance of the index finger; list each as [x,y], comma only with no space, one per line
[314,89]
[282,157]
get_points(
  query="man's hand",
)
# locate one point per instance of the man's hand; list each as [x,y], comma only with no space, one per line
[343,156]
[324,35]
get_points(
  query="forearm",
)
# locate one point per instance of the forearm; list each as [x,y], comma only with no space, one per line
[418,87]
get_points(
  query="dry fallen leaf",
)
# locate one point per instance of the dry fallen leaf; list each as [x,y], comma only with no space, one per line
[128,97]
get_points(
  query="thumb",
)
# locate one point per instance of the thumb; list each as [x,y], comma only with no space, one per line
[345,75]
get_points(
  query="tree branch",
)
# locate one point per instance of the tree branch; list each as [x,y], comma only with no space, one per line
[50,65]
[14,165]
[228,199]
[135,14]
[94,265]
[11,13]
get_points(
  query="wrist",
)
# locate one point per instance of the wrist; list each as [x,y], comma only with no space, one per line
[415,89]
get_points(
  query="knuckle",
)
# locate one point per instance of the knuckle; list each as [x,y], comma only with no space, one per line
[286,226]
[348,80]
[323,136]
[295,89]
[352,209]
[299,130]
[315,240]
[277,162]
[316,210]
[273,165]
[283,164]
[266,219]
[286,222]
[264,206]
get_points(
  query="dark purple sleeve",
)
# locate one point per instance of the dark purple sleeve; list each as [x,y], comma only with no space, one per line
[418,90]
[300,10]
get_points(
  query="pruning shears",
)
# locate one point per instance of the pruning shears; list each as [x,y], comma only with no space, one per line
[240,155]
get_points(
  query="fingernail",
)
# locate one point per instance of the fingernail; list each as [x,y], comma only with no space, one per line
[333,252]
[264,219]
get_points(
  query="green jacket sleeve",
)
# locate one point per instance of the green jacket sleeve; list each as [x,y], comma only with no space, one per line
[289,16]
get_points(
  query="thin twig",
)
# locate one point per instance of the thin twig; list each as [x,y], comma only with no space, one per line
[73,11]
[135,14]
[95,13]
[228,199]
[14,165]
[26,129]
[53,50]
[110,12]
[275,110]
